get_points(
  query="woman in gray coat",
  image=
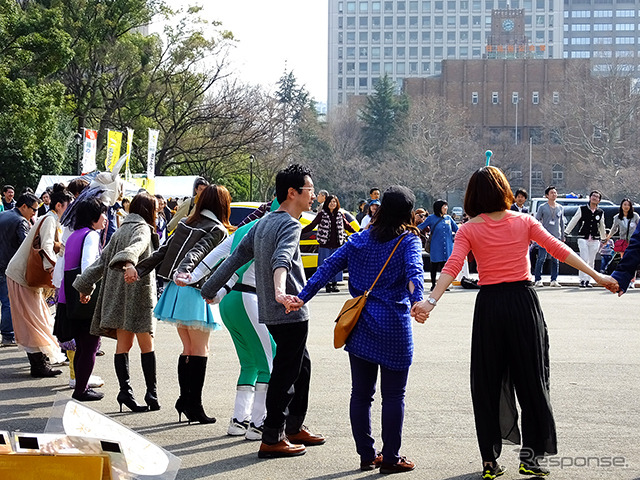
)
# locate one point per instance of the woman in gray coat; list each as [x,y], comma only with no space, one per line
[124,311]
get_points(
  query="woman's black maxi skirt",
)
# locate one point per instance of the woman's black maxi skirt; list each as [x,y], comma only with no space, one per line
[509,356]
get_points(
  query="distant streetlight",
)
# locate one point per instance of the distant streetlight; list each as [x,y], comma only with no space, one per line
[78,139]
[251,159]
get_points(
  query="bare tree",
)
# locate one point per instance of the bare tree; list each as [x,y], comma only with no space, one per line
[596,121]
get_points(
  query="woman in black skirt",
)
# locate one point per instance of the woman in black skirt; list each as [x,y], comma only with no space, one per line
[510,345]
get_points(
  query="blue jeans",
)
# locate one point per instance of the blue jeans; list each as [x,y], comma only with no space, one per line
[393,383]
[555,265]
[6,325]
[323,254]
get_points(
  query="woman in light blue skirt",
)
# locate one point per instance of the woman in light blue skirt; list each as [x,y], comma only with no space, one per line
[193,239]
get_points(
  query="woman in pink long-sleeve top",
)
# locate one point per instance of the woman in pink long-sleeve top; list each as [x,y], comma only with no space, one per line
[510,345]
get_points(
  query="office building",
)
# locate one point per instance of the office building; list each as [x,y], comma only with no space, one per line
[410,38]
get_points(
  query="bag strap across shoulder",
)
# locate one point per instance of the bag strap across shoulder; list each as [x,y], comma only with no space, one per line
[366,293]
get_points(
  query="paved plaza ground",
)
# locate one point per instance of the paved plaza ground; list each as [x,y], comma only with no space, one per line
[595,360]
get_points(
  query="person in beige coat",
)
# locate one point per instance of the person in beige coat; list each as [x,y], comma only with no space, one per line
[124,311]
[32,320]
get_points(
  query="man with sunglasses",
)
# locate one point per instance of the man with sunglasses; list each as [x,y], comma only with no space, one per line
[14,227]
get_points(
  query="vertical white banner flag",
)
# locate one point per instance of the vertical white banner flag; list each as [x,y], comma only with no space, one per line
[90,146]
[127,171]
[151,153]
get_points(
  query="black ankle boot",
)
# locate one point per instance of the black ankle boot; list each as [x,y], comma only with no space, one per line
[40,366]
[148,361]
[121,364]
[197,370]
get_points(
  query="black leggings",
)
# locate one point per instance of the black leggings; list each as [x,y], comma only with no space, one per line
[435,268]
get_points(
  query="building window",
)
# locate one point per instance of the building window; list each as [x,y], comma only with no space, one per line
[362,68]
[515,177]
[351,67]
[535,98]
[400,68]
[363,37]
[388,52]
[351,7]
[495,98]
[557,175]
[375,68]
[351,22]
[426,52]
[351,82]
[362,82]
[363,22]
[555,136]
[474,98]
[536,135]
[426,67]
[413,68]
[536,178]
[364,7]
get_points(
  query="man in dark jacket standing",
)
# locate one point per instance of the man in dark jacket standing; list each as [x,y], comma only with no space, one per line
[14,227]
[591,230]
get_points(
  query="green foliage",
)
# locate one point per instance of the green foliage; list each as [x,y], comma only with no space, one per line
[383,118]
[33,109]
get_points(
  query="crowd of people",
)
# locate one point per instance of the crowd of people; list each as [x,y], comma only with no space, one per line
[114,274]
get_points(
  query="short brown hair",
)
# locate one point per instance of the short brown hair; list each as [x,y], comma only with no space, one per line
[145,205]
[488,191]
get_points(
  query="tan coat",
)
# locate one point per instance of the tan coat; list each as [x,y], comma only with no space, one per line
[17,267]
[122,306]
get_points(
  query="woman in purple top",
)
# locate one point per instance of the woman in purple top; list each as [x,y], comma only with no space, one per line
[383,337]
[82,249]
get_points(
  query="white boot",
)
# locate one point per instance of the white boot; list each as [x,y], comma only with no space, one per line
[241,410]
[258,412]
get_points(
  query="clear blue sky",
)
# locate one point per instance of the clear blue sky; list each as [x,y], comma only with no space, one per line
[270,33]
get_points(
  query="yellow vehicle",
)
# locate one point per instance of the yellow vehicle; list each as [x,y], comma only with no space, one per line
[308,241]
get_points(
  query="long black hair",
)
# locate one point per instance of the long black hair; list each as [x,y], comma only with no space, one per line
[395,214]
[437,206]
[621,212]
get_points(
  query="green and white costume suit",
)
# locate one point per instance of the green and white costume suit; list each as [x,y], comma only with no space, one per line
[253,343]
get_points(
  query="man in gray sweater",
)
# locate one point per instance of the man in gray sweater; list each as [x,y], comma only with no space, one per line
[551,215]
[274,244]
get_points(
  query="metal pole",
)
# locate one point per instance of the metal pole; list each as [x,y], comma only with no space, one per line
[530,166]
[516,131]
[251,159]
[78,138]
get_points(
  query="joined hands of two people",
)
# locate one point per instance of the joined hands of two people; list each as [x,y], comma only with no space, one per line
[130,274]
[291,302]
[182,279]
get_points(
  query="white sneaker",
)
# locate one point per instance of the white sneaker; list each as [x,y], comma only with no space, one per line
[254,433]
[94,382]
[237,428]
[539,283]
[556,284]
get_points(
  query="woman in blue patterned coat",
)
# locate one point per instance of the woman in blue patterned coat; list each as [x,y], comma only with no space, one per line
[443,228]
[383,337]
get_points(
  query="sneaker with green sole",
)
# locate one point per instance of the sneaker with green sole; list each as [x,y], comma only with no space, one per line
[533,469]
[489,472]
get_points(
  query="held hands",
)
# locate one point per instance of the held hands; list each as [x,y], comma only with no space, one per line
[291,302]
[421,311]
[609,283]
[130,274]
[182,279]
[84,298]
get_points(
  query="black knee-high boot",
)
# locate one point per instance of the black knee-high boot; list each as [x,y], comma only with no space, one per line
[183,382]
[197,370]
[121,364]
[148,361]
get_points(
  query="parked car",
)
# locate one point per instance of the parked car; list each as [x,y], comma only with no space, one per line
[308,241]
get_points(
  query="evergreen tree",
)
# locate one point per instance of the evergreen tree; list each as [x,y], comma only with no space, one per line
[383,118]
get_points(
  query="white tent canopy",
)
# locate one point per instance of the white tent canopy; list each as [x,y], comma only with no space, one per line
[181,186]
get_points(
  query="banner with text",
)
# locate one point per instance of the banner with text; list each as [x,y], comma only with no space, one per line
[89,148]
[151,153]
[127,171]
[114,144]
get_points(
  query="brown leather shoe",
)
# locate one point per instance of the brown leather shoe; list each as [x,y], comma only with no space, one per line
[305,437]
[371,464]
[281,449]
[403,465]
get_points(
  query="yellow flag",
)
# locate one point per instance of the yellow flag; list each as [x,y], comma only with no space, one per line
[114,143]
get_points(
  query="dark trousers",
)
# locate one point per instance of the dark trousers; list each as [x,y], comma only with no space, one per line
[85,359]
[364,375]
[510,355]
[435,268]
[288,393]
